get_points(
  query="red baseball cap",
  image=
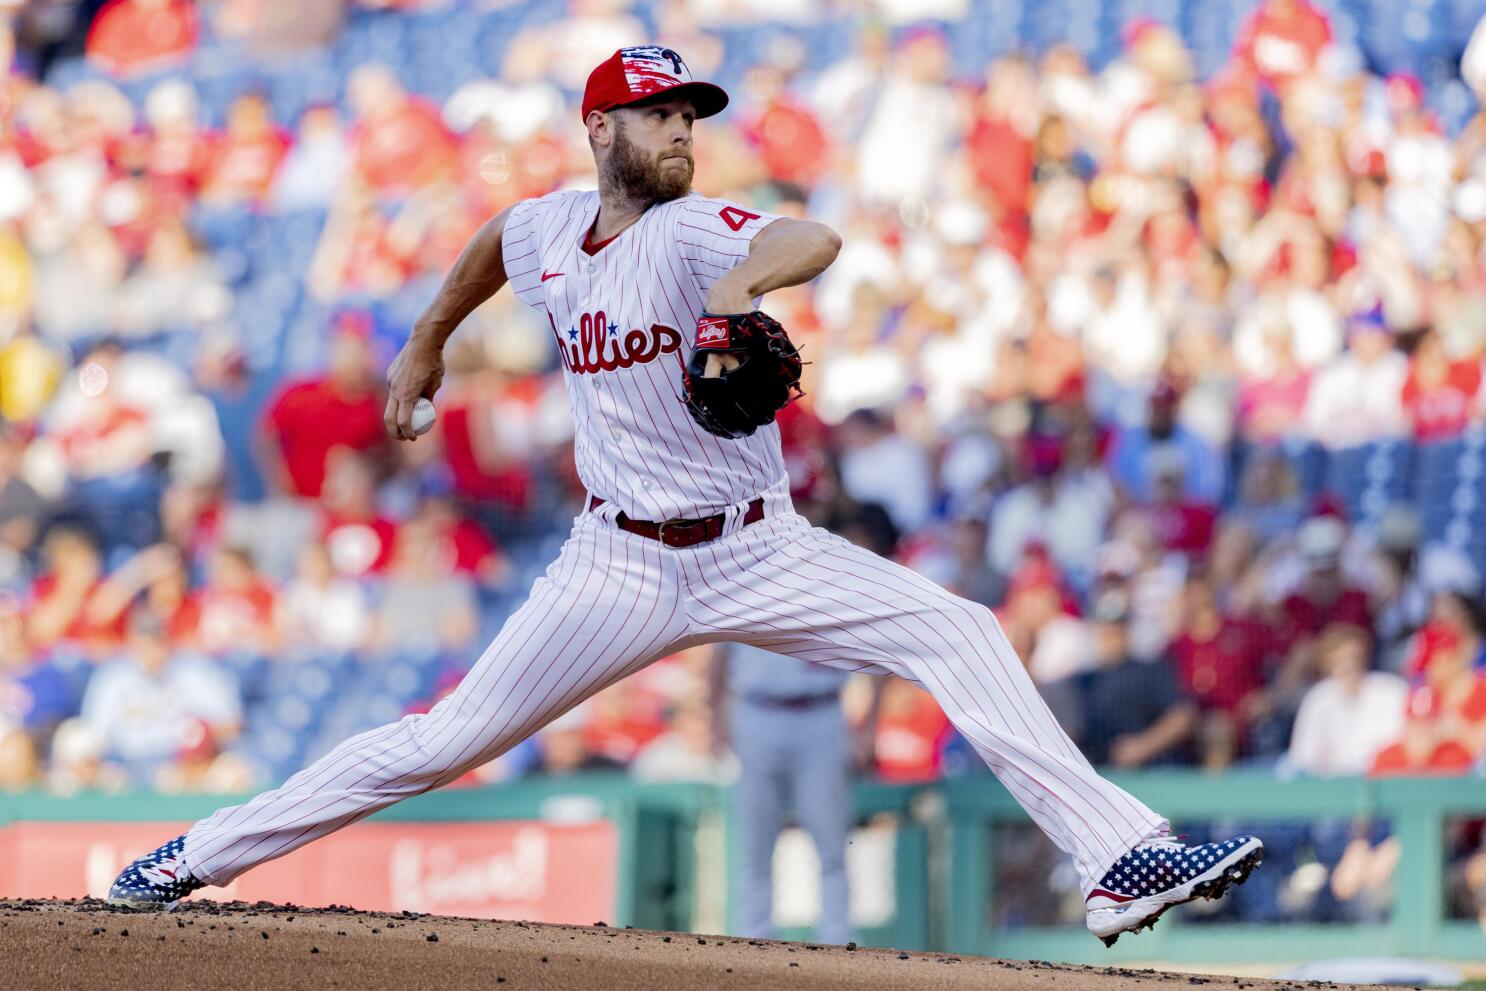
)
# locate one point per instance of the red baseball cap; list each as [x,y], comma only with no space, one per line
[633,74]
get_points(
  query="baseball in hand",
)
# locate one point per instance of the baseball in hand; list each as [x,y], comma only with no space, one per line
[423,417]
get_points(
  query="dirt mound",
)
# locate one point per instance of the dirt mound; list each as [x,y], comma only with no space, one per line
[51,944]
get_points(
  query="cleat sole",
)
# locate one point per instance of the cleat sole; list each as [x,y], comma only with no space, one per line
[141,904]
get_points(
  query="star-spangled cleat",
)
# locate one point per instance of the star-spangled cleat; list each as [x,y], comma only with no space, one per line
[1161,873]
[156,880]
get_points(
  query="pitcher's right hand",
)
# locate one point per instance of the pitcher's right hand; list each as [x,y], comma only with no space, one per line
[417,371]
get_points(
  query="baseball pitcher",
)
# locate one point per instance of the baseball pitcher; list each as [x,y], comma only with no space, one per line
[687,535]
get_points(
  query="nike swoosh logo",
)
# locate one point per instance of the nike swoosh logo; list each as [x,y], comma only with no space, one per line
[551,275]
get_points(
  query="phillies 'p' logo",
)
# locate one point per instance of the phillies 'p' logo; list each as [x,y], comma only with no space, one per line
[735,218]
[648,68]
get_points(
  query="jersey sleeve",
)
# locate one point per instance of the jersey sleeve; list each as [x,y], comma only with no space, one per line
[520,243]
[712,236]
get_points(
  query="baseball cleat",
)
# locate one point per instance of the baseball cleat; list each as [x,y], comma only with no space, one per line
[1158,874]
[156,880]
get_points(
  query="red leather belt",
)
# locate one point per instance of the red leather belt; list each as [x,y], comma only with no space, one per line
[682,533]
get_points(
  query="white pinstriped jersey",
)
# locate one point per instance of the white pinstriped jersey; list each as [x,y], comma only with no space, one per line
[624,319]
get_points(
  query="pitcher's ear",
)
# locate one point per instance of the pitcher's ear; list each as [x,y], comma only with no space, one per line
[600,127]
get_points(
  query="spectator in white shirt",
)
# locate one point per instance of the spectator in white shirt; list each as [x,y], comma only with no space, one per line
[521,103]
[1356,398]
[317,163]
[321,610]
[147,703]
[861,369]
[1065,513]
[846,91]
[882,466]
[1351,714]
[685,752]
[901,154]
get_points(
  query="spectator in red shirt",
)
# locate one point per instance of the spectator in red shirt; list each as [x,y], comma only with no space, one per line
[1325,596]
[245,161]
[357,252]
[1439,394]
[465,546]
[1281,41]
[236,606]
[1047,364]
[487,421]
[159,574]
[804,438]
[1421,752]
[793,146]
[999,153]
[359,538]
[311,418]
[137,36]
[624,720]
[65,597]
[1463,615]
[911,733]
[399,142]
[178,149]
[1221,663]
[431,230]
[1181,524]
[563,748]
[1454,692]
[1446,728]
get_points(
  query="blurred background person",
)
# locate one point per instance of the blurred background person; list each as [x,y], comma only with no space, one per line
[785,724]
[146,703]
[1135,713]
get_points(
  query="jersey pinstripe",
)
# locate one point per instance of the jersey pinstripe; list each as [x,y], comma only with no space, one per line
[623,320]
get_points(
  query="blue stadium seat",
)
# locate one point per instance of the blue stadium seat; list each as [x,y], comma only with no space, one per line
[402,680]
[222,226]
[314,681]
[68,72]
[1371,477]
[1308,460]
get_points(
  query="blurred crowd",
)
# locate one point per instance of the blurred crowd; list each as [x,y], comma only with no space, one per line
[1179,373]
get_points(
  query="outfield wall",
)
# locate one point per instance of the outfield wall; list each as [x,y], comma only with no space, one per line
[606,849]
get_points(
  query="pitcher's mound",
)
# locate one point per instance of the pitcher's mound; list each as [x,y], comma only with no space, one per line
[51,944]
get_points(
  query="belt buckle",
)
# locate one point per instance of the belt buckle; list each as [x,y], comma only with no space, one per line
[660,533]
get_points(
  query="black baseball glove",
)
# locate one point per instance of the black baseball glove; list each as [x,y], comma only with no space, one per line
[737,402]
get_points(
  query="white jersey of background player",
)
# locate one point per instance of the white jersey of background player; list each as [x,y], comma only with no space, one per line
[621,275]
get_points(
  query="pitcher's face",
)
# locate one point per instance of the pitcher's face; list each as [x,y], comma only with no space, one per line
[649,155]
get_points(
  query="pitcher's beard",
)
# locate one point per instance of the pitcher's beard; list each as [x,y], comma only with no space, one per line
[643,179]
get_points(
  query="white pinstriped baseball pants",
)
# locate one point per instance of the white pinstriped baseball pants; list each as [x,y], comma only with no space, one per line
[613,602]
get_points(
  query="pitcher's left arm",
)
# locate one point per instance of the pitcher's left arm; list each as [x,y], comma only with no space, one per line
[785,253]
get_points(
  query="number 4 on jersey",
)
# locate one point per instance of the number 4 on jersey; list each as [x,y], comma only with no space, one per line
[736,218]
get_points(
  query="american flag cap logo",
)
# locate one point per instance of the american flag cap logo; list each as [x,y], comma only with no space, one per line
[650,68]
[635,73]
